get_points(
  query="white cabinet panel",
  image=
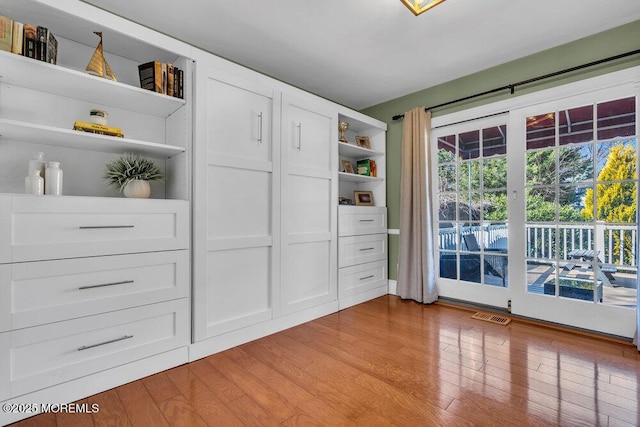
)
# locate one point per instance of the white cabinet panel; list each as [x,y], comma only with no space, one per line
[361,278]
[308,136]
[67,227]
[5,297]
[308,278]
[361,249]
[239,293]
[309,194]
[46,355]
[50,291]
[238,203]
[309,205]
[358,220]
[240,118]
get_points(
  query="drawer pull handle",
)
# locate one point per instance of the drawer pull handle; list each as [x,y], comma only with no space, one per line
[368,277]
[105,284]
[86,347]
[94,227]
[367,249]
[366,220]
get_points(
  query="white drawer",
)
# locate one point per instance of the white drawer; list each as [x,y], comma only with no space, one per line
[361,278]
[49,291]
[353,250]
[47,227]
[51,354]
[358,220]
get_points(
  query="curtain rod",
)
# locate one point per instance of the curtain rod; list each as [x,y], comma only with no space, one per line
[513,86]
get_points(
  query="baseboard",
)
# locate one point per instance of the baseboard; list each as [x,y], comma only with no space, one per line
[228,340]
[393,287]
[362,297]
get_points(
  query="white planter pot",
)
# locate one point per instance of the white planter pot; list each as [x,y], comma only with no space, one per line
[138,189]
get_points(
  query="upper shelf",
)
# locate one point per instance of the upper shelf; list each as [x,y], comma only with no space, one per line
[48,135]
[350,150]
[39,75]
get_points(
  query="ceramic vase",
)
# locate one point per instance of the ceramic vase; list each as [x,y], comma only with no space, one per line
[138,189]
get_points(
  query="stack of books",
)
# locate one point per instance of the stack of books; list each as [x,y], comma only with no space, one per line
[29,40]
[162,78]
[99,129]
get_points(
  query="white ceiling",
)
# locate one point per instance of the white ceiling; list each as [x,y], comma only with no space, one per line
[363,52]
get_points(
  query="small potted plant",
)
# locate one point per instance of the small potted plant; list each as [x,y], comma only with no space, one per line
[131,174]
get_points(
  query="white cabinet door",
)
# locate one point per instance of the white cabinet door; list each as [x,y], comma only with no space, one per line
[309,188]
[235,207]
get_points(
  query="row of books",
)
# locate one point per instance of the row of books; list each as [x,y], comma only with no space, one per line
[29,40]
[162,78]
[367,167]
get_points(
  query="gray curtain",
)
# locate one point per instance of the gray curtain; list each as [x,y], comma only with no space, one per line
[416,268]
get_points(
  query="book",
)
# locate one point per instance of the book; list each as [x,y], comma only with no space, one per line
[373,168]
[41,43]
[151,76]
[6,33]
[52,49]
[29,38]
[179,84]
[99,129]
[364,167]
[170,80]
[17,42]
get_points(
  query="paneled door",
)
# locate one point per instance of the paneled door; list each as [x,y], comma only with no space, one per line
[234,247]
[309,189]
[471,202]
[577,173]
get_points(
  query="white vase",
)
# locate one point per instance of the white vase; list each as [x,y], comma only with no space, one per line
[53,179]
[34,183]
[137,188]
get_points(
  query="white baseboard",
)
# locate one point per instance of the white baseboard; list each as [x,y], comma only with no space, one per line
[393,287]
[228,340]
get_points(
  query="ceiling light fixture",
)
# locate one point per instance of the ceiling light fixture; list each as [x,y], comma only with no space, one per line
[419,6]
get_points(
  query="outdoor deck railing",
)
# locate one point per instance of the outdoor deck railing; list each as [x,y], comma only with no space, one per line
[616,244]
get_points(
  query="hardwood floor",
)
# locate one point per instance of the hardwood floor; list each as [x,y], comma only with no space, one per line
[387,362]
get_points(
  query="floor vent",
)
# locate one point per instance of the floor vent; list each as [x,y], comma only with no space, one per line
[493,318]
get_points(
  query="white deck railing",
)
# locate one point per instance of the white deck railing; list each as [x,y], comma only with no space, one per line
[612,240]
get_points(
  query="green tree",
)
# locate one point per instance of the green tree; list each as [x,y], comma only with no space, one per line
[615,194]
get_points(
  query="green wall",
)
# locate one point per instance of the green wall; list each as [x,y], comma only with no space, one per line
[609,43]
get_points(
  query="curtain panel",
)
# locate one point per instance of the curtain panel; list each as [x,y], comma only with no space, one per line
[416,267]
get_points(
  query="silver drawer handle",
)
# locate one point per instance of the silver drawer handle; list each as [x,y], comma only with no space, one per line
[105,284]
[368,277]
[366,220]
[260,127]
[93,227]
[367,249]
[86,347]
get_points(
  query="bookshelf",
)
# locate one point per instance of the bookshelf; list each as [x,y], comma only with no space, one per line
[40,103]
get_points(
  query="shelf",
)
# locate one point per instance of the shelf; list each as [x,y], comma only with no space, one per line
[350,150]
[352,177]
[49,135]
[38,75]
